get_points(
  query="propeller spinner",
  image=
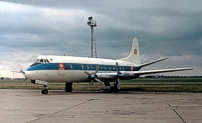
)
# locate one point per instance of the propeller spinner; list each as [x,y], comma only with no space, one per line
[92,76]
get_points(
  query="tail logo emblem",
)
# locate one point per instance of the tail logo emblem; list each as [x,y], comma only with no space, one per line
[135,51]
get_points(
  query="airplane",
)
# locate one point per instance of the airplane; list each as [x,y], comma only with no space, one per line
[69,70]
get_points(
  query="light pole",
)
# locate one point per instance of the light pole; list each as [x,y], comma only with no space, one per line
[92,24]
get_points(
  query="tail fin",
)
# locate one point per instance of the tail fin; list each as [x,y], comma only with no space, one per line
[134,55]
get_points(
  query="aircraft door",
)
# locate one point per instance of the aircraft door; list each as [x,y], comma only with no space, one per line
[61,69]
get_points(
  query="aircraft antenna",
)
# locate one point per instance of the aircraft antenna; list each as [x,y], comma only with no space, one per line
[92,23]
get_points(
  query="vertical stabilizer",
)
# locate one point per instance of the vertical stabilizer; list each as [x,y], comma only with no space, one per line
[134,55]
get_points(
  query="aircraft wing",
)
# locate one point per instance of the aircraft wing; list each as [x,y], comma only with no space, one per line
[137,73]
[157,71]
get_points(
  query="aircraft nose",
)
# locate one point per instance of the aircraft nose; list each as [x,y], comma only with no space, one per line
[31,75]
[27,74]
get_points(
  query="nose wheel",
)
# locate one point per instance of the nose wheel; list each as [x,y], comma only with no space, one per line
[45,90]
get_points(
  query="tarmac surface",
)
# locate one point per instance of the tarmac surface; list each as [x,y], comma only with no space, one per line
[30,106]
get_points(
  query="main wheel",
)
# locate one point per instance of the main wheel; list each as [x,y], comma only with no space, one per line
[111,89]
[115,89]
[44,91]
[68,89]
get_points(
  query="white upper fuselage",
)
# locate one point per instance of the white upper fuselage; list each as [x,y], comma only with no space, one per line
[71,69]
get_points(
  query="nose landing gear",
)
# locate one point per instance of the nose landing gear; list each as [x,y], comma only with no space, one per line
[44,90]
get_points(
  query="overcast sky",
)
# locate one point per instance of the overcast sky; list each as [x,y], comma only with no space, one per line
[164,28]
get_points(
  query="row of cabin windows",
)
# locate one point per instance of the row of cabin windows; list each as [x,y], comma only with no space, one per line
[100,67]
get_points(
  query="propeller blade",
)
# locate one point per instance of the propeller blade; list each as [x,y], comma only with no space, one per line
[22,72]
[25,80]
[93,77]
[117,69]
[98,80]
[90,84]
[87,73]
[118,75]
[97,67]
[118,81]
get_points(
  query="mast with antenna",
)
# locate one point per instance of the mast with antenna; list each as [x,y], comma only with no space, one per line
[92,24]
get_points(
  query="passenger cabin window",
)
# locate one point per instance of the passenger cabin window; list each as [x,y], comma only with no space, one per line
[120,68]
[87,66]
[91,66]
[109,68]
[113,67]
[101,67]
[71,66]
[98,67]
[105,67]
[82,66]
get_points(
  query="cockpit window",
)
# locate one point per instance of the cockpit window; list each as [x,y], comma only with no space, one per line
[42,61]
[45,61]
[37,60]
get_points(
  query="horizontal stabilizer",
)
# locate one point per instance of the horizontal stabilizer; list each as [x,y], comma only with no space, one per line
[158,71]
[152,62]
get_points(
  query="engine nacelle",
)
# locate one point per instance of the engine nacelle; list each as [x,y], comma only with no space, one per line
[39,82]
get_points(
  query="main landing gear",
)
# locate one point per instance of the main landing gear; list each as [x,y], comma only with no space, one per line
[44,90]
[114,89]
[68,87]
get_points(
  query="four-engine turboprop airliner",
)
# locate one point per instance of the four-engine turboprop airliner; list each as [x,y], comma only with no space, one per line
[68,69]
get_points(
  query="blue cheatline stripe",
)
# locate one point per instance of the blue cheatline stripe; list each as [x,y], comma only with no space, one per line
[76,66]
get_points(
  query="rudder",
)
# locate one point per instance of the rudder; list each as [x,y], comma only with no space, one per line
[134,55]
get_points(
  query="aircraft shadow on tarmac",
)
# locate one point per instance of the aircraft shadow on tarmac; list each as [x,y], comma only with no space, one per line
[75,92]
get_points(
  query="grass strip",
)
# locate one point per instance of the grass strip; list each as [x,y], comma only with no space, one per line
[142,85]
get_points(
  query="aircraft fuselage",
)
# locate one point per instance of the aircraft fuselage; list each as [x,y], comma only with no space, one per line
[71,69]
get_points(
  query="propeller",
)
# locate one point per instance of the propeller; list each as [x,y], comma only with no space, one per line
[118,75]
[25,80]
[92,76]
